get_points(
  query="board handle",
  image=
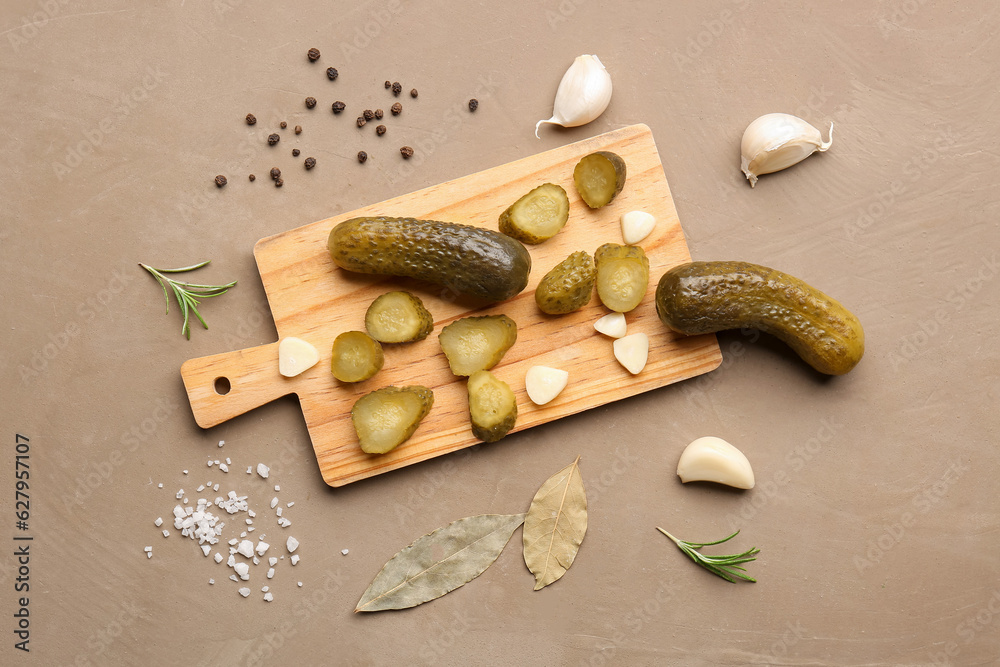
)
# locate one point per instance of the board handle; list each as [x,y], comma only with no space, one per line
[223,386]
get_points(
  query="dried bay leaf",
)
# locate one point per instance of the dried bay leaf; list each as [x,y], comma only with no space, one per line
[555,525]
[440,562]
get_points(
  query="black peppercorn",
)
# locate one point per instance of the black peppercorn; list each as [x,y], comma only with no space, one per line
[220,180]
[298,129]
[278,182]
[313,54]
[379,114]
[368,114]
[283,124]
[295,152]
[396,88]
[272,139]
[361,121]
[252,178]
[362,157]
[251,119]
[413,92]
[396,109]
[338,107]
[275,173]
[473,104]
[310,102]
[388,84]
[406,152]
[380,130]
[331,73]
[310,162]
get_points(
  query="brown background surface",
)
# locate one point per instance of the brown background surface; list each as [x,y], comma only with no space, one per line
[115,117]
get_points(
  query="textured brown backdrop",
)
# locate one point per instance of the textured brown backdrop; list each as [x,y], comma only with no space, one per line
[876,504]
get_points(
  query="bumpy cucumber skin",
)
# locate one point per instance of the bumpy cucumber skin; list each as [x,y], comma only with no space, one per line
[469,260]
[426,397]
[509,226]
[613,252]
[704,297]
[620,173]
[568,286]
[501,428]
[426,320]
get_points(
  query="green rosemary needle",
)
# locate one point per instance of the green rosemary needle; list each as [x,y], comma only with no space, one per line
[187,294]
[726,567]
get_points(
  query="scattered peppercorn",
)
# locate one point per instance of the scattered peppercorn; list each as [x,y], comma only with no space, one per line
[380,130]
[252,178]
[362,157]
[406,152]
[251,119]
[331,73]
[313,54]
[396,109]
[361,121]
[295,152]
[298,129]
[396,88]
[388,84]
[275,173]
[368,114]
[310,162]
[278,182]
[413,92]
[283,124]
[379,114]
[220,181]
[310,102]
[338,107]
[473,104]
[272,139]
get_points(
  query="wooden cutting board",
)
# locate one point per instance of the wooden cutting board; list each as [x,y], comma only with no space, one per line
[313,299]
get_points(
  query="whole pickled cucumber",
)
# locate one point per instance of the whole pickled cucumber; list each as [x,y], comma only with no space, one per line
[568,286]
[703,297]
[469,260]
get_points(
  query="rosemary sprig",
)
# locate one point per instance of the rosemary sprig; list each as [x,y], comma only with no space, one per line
[726,567]
[187,294]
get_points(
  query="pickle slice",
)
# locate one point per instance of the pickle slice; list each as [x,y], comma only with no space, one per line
[537,216]
[387,417]
[398,317]
[356,356]
[568,286]
[492,406]
[477,343]
[622,276]
[599,177]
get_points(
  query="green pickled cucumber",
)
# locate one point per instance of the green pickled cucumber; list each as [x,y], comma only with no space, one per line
[568,286]
[356,357]
[538,215]
[622,276]
[387,417]
[398,317]
[492,406]
[703,297]
[467,260]
[477,343]
[599,178]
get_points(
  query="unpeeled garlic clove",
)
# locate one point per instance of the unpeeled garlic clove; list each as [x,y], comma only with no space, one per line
[295,356]
[632,351]
[612,325]
[583,94]
[637,225]
[776,141]
[712,459]
[543,383]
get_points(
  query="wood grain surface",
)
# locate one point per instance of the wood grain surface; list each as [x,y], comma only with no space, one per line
[313,299]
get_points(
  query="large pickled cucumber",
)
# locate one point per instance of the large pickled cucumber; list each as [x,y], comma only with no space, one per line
[622,276]
[476,343]
[468,260]
[387,417]
[492,406]
[538,215]
[703,297]
[568,286]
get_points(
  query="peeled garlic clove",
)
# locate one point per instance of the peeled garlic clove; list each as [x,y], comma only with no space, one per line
[612,324]
[636,225]
[776,141]
[583,95]
[543,383]
[715,460]
[632,352]
[295,356]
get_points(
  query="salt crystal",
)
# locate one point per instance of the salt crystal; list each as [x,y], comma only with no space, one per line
[274,503]
[160,485]
[262,548]
[243,570]
[251,529]
[218,557]
[210,464]
[256,561]
[249,522]
[265,589]
[300,584]
[234,577]
[232,561]
[243,534]
[166,533]
[233,541]
[345,551]
[149,554]
[179,494]
[284,523]
[215,488]
[216,461]
[221,443]
[270,573]
[223,467]
[185,501]
[268,597]
[295,559]
[289,504]
[159,520]
[277,488]
[206,549]
[291,544]
[211,581]
[251,513]
[263,470]
[201,488]
[245,548]
[249,469]
[272,561]
[148,549]
[245,592]
[229,461]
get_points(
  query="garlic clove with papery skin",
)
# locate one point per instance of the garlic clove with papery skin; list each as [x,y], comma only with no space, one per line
[776,141]
[583,94]
[711,459]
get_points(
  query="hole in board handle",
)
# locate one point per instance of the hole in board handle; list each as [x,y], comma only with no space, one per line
[222,386]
